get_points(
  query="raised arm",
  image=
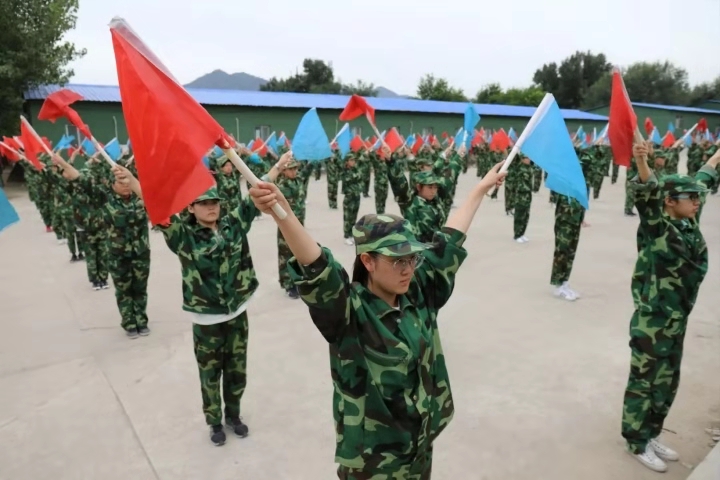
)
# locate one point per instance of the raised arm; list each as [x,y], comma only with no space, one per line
[463,216]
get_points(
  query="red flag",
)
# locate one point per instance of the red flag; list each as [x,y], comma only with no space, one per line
[11,142]
[393,140]
[169,130]
[57,105]
[356,143]
[444,135]
[623,122]
[702,125]
[669,140]
[32,143]
[355,107]
[500,141]
[418,144]
[477,140]
[649,127]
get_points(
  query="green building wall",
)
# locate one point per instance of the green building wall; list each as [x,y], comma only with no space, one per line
[710,105]
[106,121]
[661,118]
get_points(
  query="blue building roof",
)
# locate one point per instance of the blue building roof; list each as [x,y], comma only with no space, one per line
[675,108]
[247,98]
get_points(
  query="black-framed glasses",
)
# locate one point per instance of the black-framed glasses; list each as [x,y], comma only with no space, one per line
[400,264]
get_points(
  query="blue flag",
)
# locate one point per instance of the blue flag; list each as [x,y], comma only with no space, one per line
[255,158]
[343,140]
[513,136]
[271,142]
[281,140]
[88,147]
[112,148]
[471,118]
[459,137]
[550,147]
[206,161]
[410,142]
[8,215]
[671,127]
[655,136]
[688,140]
[217,152]
[310,141]
[64,142]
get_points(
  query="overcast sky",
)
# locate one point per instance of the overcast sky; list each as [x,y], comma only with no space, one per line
[394,43]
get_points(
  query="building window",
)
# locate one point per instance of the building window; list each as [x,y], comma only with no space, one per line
[262,132]
[678,121]
[427,131]
[357,131]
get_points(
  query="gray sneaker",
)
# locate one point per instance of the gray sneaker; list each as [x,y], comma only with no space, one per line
[132,333]
[144,331]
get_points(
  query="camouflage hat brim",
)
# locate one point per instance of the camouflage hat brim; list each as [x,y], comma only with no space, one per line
[402,249]
[385,234]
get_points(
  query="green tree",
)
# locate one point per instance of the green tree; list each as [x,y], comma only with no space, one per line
[570,82]
[431,88]
[317,77]
[493,93]
[657,82]
[705,91]
[33,51]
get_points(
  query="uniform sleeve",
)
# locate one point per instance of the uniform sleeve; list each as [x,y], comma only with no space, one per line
[648,203]
[245,213]
[399,184]
[174,233]
[437,273]
[708,177]
[324,286]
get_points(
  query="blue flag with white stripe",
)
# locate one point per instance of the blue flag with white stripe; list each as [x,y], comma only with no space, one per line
[8,214]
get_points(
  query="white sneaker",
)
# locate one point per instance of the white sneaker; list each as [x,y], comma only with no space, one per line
[349,241]
[563,292]
[573,292]
[650,459]
[664,452]
[525,238]
[520,240]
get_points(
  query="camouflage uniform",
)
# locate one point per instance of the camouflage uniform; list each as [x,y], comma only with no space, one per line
[449,171]
[364,165]
[89,214]
[598,168]
[334,166]
[537,178]
[218,279]
[391,396]
[522,179]
[352,185]
[295,192]
[229,190]
[129,253]
[483,159]
[630,173]
[425,217]
[695,158]
[380,182]
[672,160]
[615,173]
[672,262]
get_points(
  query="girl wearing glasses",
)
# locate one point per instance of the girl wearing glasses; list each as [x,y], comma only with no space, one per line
[671,265]
[391,394]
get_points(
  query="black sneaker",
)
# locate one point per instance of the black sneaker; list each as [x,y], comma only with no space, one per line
[629,213]
[132,333]
[104,285]
[81,257]
[143,331]
[73,259]
[240,429]
[217,435]
[96,286]
[292,292]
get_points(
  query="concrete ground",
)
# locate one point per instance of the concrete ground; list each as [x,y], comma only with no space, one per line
[538,382]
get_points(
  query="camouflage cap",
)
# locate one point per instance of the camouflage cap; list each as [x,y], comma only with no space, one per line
[210,194]
[423,161]
[675,184]
[385,234]
[426,177]
[292,164]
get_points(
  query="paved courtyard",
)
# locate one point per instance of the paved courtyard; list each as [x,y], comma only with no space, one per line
[538,382]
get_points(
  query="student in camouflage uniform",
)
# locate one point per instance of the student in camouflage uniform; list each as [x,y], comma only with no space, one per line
[292,184]
[630,173]
[352,185]
[380,180]
[364,165]
[695,158]
[483,159]
[598,168]
[426,213]
[520,174]
[672,262]
[228,184]
[672,160]
[63,210]
[391,395]
[615,173]
[333,178]
[569,216]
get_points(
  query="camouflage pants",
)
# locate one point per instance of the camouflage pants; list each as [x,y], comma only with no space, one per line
[130,276]
[96,256]
[597,185]
[483,167]
[332,187]
[221,352]
[366,184]
[656,343]
[523,200]
[509,197]
[567,236]
[615,172]
[317,167]
[351,207]
[45,209]
[60,220]
[537,179]
[714,189]
[381,194]
[629,197]
[419,470]
[284,254]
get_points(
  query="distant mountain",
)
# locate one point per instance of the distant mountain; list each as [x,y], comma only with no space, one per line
[224,81]
[244,81]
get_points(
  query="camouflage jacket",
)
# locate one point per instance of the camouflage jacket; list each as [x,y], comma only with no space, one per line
[672,254]
[520,175]
[379,169]
[128,222]
[295,189]
[217,271]
[425,218]
[89,196]
[352,180]
[229,189]
[391,395]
